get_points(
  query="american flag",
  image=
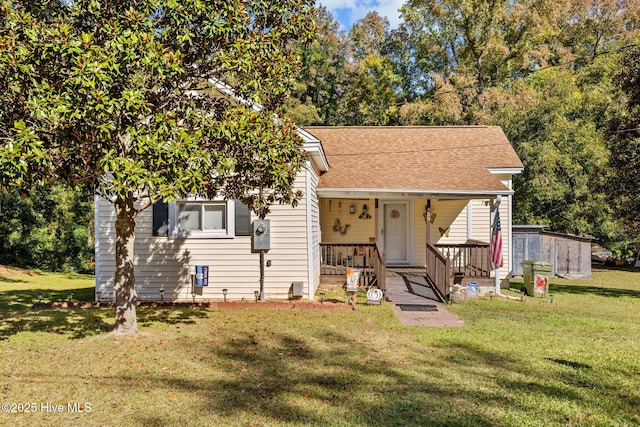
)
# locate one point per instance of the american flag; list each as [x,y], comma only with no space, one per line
[496,243]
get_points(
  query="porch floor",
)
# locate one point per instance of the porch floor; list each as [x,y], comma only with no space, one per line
[408,286]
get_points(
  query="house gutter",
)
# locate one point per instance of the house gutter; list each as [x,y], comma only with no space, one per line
[374,193]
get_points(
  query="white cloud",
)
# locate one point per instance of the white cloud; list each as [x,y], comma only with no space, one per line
[349,11]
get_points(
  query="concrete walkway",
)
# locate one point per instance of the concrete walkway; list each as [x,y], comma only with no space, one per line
[409,286]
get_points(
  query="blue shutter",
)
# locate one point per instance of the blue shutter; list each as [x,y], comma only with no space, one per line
[161,219]
[242,219]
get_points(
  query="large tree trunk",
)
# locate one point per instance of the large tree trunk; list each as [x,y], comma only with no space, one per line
[125,283]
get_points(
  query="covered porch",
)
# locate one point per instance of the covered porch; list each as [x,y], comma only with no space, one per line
[421,196]
[405,235]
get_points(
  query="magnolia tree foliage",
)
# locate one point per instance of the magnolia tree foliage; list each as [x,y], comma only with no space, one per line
[117,96]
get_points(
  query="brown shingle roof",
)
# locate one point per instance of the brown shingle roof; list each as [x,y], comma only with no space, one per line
[429,159]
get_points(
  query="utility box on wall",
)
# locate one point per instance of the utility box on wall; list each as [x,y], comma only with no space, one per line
[297,290]
[261,235]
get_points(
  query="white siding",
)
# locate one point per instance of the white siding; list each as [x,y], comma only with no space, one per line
[313,229]
[456,214]
[449,214]
[360,230]
[168,263]
[419,232]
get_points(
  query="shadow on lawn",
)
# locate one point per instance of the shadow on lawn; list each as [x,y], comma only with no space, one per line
[291,380]
[329,379]
[594,290]
[25,299]
[18,315]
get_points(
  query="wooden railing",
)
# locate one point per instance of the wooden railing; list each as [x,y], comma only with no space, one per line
[364,257]
[469,259]
[439,271]
[379,266]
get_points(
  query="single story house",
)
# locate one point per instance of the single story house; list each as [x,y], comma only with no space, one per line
[373,197]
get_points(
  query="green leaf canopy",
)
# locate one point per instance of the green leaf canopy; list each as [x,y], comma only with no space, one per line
[126,98]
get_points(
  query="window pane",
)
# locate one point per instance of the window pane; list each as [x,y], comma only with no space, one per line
[189,216]
[214,217]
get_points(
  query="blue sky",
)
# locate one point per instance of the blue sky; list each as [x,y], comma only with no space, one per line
[349,11]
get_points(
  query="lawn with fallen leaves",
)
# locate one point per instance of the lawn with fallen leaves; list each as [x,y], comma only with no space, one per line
[533,363]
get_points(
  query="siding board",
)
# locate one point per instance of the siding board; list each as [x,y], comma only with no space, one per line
[164,262]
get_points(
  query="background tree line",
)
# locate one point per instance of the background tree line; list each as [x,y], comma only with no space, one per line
[47,229]
[562,78]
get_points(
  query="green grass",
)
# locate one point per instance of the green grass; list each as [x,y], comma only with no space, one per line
[574,362]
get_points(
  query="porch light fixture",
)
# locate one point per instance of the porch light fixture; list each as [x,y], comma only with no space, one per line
[365,213]
[352,209]
[162,294]
[224,294]
[257,295]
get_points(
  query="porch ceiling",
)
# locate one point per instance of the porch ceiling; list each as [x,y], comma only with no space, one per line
[446,162]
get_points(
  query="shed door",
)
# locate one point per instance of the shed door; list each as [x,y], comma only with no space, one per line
[519,254]
[568,257]
[396,233]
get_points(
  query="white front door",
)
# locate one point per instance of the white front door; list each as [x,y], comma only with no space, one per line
[395,232]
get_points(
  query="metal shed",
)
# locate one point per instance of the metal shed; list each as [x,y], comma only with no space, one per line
[570,254]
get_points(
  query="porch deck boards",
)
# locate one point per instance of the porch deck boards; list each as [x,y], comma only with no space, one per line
[408,286]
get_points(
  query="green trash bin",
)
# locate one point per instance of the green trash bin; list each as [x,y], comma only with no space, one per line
[536,275]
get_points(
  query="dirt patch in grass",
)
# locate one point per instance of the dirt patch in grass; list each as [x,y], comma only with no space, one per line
[15,271]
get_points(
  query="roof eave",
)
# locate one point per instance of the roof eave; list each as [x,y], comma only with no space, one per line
[506,171]
[380,193]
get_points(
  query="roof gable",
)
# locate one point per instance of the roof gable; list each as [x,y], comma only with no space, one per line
[453,160]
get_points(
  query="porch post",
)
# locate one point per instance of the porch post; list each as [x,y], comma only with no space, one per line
[428,211]
[492,215]
[377,221]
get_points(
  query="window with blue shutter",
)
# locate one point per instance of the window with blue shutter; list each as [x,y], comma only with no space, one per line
[161,219]
[242,219]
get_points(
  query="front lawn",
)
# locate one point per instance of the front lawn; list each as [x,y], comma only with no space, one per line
[573,362]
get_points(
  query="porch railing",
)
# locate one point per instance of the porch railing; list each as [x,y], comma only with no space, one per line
[379,266]
[468,259]
[364,257]
[439,270]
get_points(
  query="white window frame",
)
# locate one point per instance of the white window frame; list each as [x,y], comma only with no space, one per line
[227,233]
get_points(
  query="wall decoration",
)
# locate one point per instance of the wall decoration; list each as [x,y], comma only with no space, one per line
[395,214]
[425,215]
[338,228]
[444,231]
[364,214]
